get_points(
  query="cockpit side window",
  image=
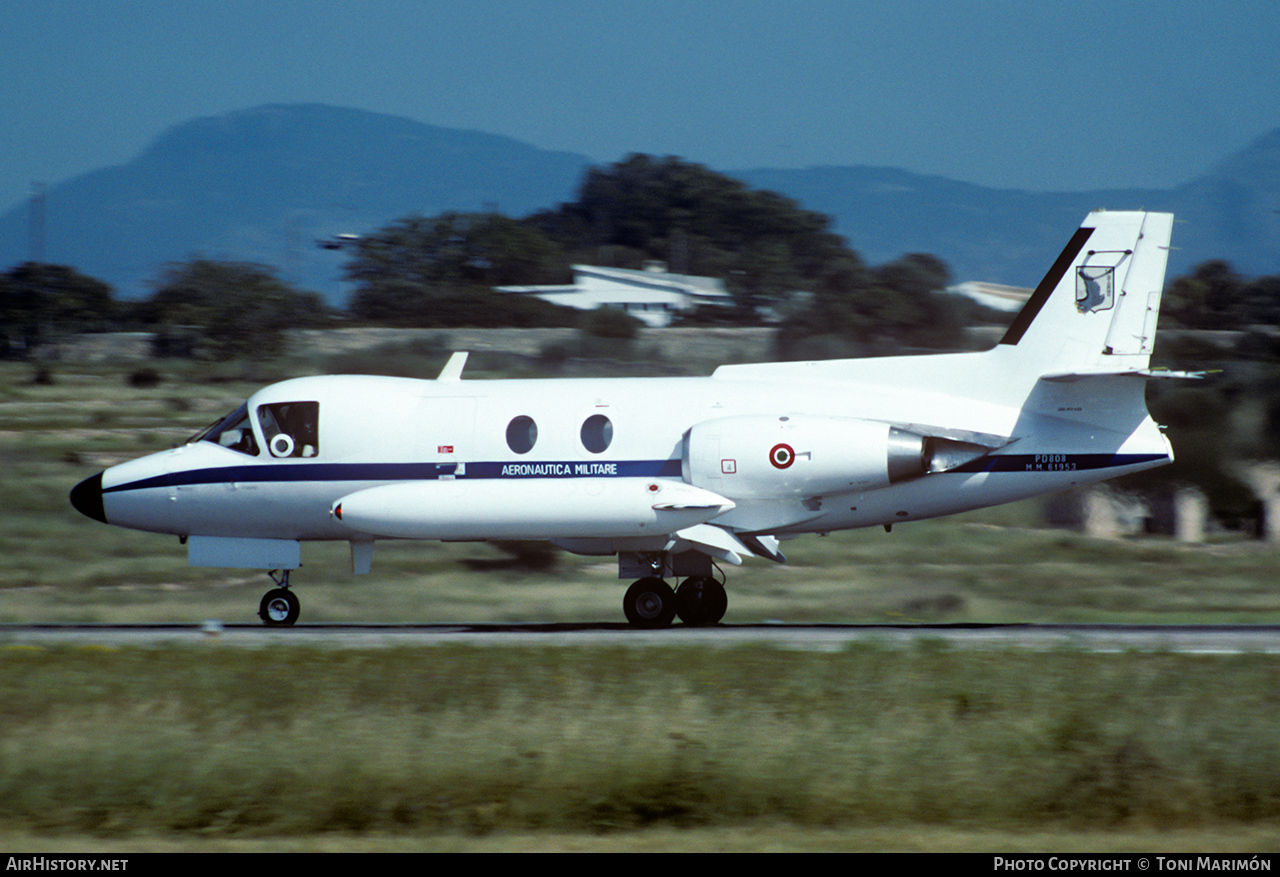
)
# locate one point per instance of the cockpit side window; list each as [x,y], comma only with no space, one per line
[291,429]
[233,431]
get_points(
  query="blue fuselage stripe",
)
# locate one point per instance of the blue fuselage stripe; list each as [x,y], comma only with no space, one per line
[276,473]
[287,473]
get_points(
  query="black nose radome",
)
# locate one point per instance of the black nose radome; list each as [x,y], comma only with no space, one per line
[87,498]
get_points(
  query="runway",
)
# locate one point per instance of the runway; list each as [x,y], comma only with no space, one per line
[1186,638]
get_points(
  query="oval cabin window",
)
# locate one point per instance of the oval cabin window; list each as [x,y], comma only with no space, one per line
[597,433]
[522,434]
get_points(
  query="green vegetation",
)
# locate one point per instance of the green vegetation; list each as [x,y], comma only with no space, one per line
[225,310]
[40,302]
[876,311]
[775,257]
[295,741]
[1213,296]
[440,271]
[1222,425]
[701,222]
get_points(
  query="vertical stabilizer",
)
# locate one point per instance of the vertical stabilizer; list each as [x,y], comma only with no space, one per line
[1096,309]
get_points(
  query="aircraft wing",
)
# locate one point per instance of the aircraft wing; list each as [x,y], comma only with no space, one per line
[728,546]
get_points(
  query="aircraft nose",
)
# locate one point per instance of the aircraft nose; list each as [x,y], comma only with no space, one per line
[86,497]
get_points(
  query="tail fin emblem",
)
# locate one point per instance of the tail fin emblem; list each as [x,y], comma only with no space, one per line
[1096,283]
[1095,288]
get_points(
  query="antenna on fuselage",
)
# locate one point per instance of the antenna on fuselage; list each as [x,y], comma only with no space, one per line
[452,370]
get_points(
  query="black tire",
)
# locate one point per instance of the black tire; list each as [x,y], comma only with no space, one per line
[650,604]
[701,601]
[280,607]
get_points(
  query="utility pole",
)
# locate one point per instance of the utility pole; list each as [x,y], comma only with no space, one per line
[36,239]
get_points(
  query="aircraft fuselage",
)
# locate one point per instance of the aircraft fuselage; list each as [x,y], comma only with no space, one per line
[375,431]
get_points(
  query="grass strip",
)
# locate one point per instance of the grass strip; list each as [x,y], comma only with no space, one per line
[206,741]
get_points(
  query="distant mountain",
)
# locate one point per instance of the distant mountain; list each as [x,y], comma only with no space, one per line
[1008,236]
[264,184]
[1233,212]
[993,235]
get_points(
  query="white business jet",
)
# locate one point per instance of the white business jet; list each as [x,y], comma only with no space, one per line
[675,474]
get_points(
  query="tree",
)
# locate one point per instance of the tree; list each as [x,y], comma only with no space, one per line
[440,271]
[242,308]
[1208,298]
[764,276]
[913,305]
[1261,301]
[39,300]
[456,249]
[773,255]
[699,222]
[860,310]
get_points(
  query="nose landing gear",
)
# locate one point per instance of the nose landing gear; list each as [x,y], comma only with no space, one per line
[280,607]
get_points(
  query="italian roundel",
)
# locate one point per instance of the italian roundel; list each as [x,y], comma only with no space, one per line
[782,456]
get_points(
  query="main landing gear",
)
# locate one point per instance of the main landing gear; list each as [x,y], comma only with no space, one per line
[280,606]
[650,603]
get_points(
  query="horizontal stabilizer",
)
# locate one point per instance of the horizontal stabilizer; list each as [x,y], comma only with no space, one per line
[1155,373]
[1170,374]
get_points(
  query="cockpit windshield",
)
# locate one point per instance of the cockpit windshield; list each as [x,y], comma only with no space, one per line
[233,431]
[290,429]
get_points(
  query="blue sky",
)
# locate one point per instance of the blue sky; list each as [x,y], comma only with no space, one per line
[1012,94]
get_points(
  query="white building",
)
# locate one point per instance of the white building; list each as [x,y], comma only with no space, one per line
[1002,298]
[652,295]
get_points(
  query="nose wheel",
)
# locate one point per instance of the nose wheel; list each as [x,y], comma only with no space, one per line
[280,607]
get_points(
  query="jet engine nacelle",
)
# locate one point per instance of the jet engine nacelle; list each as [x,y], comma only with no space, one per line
[765,456]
